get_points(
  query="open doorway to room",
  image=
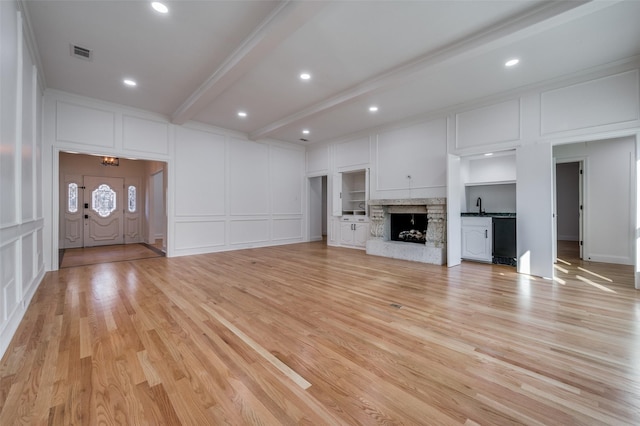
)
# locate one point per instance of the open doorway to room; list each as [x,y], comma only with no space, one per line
[595,211]
[318,208]
[106,207]
[569,207]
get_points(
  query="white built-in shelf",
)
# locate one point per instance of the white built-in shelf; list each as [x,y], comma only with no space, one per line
[501,182]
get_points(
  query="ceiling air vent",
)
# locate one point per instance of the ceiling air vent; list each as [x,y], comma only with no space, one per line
[81,52]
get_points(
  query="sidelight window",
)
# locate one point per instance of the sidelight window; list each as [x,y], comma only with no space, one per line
[72,197]
[132,199]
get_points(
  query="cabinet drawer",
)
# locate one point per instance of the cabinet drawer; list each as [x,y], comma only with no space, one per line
[476,221]
[355,219]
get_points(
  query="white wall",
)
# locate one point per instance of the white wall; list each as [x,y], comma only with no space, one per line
[609,176]
[225,192]
[410,161]
[21,214]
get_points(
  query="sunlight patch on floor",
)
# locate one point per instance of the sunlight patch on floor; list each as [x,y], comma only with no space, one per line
[561,269]
[595,275]
[600,286]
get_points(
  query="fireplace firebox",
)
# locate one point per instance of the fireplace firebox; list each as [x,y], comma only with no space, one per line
[409,227]
[414,217]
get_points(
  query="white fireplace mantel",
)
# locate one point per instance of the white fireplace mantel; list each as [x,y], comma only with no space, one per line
[433,251]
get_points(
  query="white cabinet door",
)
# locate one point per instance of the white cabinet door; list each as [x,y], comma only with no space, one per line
[354,232]
[361,234]
[477,239]
[347,233]
[336,194]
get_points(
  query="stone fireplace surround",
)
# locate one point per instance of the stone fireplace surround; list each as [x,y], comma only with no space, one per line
[433,251]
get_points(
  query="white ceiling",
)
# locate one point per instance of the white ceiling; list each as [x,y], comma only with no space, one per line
[207,60]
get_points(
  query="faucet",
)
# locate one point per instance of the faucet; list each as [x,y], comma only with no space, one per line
[479,205]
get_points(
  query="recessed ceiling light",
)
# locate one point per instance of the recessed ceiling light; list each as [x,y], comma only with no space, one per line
[306,131]
[373,108]
[159,7]
[488,154]
[511,62]
[305,76]
[242,114]
[129,82]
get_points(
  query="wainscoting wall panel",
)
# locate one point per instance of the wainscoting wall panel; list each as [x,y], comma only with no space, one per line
[602,101]
[248,231]
[489,124]
[352,153]
[283,229]
[249,177]
[200,173]
[197,235]
[85,125]
[139,134]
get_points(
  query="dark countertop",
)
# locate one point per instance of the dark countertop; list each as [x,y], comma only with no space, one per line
[488,215]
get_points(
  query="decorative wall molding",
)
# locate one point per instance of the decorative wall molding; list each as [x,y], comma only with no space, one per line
[601,101]
[490,124]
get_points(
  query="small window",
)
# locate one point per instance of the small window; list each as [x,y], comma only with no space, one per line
[132,199]
[103,200]
[72,198]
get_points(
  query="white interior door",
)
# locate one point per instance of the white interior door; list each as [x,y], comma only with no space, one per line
[103,211]
[581,207]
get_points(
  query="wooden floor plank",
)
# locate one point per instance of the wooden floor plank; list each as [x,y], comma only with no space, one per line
[309,334]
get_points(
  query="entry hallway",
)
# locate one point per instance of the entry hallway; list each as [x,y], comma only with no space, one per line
[308,334]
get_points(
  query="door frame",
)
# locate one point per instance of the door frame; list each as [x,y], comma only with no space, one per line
[325,195]
[51,202]
[152,214]
[582,200]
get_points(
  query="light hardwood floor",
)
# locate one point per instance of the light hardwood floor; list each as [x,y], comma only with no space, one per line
[308,334]
[107,254]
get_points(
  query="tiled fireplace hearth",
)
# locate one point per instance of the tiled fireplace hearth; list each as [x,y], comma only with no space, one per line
[380,243]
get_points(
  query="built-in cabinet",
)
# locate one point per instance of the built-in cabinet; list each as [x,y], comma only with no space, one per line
[351,193]
[351,208]
[477,238]
[354,231]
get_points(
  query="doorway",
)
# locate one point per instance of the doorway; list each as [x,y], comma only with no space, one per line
[318,208]
[157,213]
[110,206]
[569,194]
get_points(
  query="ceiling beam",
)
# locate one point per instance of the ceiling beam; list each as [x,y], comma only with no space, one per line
[541,18]
[285,19]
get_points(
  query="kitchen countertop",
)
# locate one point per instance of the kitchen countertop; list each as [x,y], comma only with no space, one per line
[488,214]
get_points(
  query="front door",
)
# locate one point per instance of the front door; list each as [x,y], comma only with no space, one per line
[103,211]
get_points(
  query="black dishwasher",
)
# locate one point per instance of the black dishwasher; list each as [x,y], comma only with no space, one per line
[504,240]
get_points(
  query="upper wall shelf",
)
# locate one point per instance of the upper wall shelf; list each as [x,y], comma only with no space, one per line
[501,182]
